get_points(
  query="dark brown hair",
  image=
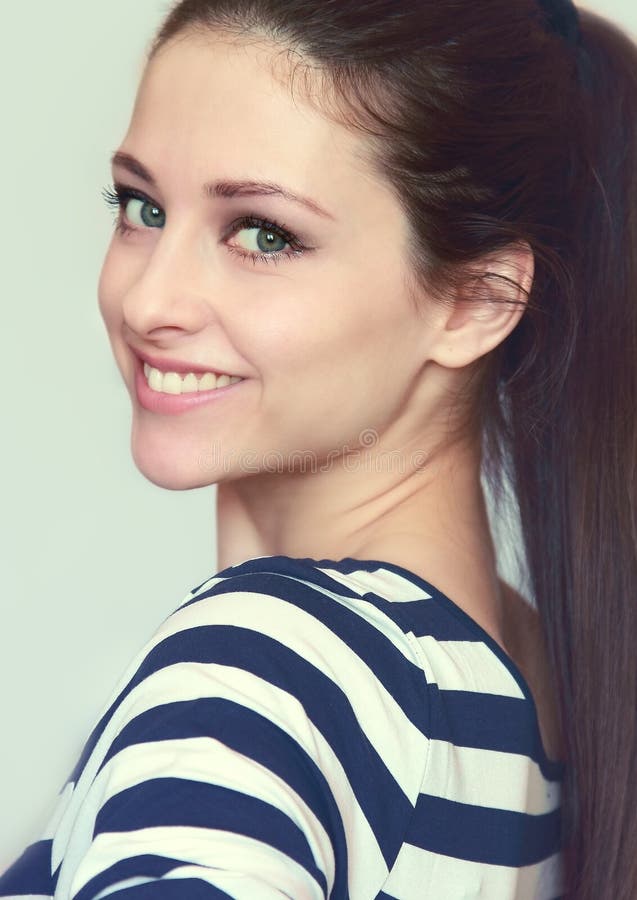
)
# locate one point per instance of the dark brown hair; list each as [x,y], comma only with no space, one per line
[494,130]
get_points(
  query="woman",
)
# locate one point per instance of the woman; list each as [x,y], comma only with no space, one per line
[403,236]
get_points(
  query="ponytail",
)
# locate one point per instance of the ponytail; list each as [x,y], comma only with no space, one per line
[573,447]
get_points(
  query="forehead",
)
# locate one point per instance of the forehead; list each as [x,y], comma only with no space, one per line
[222,101]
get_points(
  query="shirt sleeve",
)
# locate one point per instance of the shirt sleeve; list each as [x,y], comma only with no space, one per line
[254,752]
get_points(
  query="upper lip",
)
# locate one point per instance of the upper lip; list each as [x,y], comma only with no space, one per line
[164,364]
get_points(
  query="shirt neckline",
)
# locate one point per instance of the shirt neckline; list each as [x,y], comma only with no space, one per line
[553,769]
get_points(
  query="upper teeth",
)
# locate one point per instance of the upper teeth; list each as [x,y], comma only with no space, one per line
[173,383]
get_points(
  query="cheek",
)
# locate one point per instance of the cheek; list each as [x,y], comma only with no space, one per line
[333,326]
[293,337]
[325,348]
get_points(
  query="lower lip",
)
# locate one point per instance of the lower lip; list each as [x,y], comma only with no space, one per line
[175,404]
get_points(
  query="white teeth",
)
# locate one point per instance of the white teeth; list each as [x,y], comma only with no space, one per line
[155,379]
[208,382]
[190,384]
[173,383]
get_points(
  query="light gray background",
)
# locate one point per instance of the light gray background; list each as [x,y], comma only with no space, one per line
[92,556]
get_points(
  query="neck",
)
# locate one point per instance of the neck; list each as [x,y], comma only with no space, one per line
[432,521]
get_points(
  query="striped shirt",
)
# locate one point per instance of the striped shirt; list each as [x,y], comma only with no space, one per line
[307,729]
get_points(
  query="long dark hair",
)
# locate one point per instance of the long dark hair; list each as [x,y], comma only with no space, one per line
[494,129]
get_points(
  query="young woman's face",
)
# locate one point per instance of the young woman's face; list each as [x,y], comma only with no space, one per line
[309,308]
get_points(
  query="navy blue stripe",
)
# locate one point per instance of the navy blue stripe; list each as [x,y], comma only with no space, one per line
[403,612]
[30,873]
[166,802]
[431,618]
[147,866]
[483,721]
[494,836]
[173,889]
[253,736]
[403,678]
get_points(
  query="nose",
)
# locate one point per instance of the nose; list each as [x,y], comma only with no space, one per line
[170,290]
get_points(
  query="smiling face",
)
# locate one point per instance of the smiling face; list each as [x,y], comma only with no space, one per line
[315,316]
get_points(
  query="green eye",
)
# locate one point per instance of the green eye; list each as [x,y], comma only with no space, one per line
[141,213]
[263,239]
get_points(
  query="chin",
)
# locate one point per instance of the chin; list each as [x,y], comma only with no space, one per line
[167,476]
[175,466]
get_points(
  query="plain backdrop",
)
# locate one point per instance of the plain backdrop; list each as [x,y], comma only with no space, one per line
[92,556]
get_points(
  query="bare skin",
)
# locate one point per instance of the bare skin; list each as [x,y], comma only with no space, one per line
[527,647]
[337,363]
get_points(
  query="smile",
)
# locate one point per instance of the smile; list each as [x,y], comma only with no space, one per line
[173,383]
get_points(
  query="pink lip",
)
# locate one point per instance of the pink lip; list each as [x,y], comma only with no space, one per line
[175,404]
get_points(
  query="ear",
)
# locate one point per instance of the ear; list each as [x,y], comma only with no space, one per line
[491,305]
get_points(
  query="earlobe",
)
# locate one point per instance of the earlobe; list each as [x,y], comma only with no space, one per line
[492,303]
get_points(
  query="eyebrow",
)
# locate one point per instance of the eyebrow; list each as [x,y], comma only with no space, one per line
[224,189]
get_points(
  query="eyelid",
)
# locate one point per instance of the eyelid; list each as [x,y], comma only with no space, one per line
[119,194]
[127,191]
[251,221]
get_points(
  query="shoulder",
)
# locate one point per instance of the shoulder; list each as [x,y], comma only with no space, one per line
[288,623]
[273,639]
[326,617]
[270,695]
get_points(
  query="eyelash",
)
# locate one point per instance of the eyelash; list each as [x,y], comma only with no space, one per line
[118,196]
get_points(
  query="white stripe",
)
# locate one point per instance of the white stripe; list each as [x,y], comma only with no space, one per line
[489,778]
[246,887]
[388,585]
[121,885]
[466,666]
[59,811]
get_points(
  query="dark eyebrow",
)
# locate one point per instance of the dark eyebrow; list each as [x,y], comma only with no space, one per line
[228,189]
[132,165]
